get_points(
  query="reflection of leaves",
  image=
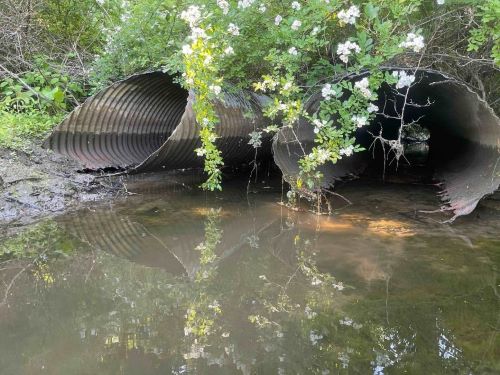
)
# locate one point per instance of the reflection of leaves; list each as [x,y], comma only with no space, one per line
[203,309]
[46,238]
[213,235]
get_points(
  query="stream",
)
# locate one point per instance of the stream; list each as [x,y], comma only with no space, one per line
[173,280]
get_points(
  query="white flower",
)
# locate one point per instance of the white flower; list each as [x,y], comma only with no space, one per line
[318,124]
[315,30]
[296,24]
[207,60]
[229,51]
[413,41]
[440,2]
[200,151]
[292,51]
[224,5]
[345,49]
[245,3]
[347,151]
[372,108]
[187,50]
[205,121]
[322,155]
[296,5]
[404,79]
[287,86]
[216,89]
[198,32]
[327,91]
[349,16]
[277,20]
[360,121]
[262,8]
[233,29]
[362,86]
[191,15]
[212,137]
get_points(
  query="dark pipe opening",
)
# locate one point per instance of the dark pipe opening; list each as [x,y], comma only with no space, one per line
[456,142]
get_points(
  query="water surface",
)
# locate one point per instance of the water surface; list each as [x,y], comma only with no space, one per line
[176,281]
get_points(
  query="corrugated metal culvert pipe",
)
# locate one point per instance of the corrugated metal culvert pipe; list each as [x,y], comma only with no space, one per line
[464,144]
[146,123]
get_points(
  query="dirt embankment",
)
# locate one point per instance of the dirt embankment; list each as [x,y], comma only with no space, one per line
[40,183]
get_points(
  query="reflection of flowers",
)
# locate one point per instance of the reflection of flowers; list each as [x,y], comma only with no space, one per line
[314,337]
[253,241]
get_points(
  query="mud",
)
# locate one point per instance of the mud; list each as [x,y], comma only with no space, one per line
[39,183]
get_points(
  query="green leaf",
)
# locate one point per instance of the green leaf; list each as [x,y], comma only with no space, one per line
[371,11]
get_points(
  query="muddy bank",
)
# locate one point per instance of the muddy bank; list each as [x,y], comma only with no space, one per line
[39,183]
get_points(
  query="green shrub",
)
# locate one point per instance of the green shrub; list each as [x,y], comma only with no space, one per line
[18,130]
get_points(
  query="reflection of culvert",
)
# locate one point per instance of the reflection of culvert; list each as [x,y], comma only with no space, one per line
[464,148]
[146,123]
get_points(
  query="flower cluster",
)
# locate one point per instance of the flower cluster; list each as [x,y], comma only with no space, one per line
[277,20]
[318,124]
[413,41]
[360,121]
[404,79]
[224,5]
[216,89]
[233,29]
[347,151]
[296,24]
[344,50]
[191,15]
[243,4]
[363,86]
[327,91]
[349,16]
[293,51]
[296,5]
[372,108]
[187,50]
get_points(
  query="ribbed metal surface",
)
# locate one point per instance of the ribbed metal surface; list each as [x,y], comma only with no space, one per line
[164,233]
[146,122]
[457,115]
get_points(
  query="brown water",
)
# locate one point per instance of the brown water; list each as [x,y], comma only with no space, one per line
[177,281]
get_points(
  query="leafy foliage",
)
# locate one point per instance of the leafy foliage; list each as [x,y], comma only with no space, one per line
[18,129]
[288,50]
